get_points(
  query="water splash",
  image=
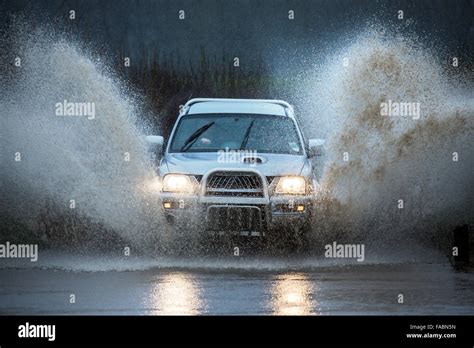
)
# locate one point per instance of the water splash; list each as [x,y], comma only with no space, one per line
[100,166]
[390,158]
[377,163]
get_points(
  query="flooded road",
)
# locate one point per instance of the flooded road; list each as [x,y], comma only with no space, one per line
[268,286]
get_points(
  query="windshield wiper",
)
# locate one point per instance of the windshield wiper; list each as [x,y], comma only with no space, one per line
[194,137]
[246,136]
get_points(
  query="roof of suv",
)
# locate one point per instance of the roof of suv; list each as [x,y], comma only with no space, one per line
[240,106]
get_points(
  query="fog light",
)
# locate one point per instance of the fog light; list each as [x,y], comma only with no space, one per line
[167,205]
[300,207]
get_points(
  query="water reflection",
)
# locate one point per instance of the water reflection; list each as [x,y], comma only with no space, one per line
[292,294]
[176,294]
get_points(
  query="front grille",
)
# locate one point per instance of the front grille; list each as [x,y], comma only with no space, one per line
[223,193]
[234,184]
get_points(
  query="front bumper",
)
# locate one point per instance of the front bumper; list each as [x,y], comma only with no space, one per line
[238,215]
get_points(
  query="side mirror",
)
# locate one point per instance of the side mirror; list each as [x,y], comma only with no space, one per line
[316,147]
[155,144]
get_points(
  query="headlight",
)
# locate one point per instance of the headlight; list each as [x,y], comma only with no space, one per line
[177,183]
[292,185]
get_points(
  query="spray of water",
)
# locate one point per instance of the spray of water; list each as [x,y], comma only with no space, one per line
[391,178]
[66,158]
[94,171]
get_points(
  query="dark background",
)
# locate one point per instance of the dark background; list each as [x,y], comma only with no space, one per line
[172,59]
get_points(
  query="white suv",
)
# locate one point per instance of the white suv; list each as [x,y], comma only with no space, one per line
[237,167]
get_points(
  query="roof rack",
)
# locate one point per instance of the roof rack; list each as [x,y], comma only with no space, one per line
[189,103]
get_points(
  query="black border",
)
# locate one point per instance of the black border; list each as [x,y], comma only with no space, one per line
[241,330]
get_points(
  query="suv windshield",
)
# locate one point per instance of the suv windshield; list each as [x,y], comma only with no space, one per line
[214,132]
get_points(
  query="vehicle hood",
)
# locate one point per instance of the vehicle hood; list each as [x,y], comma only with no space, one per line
[199,163]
